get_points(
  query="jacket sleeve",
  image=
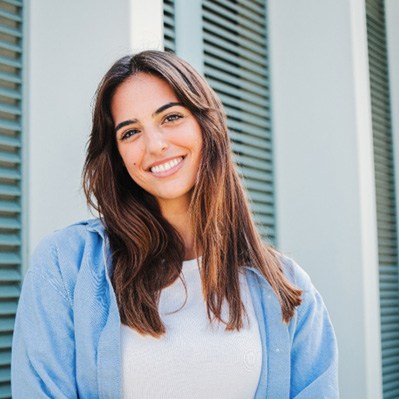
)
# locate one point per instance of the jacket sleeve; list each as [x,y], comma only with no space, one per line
[43,350]
[314,354]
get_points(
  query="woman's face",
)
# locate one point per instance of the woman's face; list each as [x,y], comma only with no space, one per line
[158,139]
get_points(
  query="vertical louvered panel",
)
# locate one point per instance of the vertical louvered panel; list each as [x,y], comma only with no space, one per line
[236,65]
[10,178]
[385,190]
[169,25]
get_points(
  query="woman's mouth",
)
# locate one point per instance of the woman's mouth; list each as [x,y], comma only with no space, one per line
[166,166]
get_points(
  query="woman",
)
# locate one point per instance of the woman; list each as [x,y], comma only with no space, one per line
[171,293]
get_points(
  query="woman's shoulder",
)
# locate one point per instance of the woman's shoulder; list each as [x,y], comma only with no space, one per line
[70,238]
[61,253]
[295,273]
[75,231]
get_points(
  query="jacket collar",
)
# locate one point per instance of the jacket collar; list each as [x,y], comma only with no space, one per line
[96,225]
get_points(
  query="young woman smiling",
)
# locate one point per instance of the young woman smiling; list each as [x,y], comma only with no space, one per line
[171,292]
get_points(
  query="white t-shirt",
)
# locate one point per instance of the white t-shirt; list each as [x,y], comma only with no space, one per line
[195,358]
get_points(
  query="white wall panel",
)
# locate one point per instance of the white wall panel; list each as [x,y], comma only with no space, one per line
[71,45]
[325,196]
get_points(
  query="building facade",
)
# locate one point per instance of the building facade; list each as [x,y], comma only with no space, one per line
[312,97]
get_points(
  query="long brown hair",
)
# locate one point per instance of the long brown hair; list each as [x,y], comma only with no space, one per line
[147,252]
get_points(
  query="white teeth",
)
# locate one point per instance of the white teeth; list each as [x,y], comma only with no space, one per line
[166,166]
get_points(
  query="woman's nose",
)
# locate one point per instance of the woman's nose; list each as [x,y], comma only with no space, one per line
[156,141]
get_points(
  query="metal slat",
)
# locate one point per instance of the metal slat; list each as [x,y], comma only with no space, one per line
[9,258]
[388,285]
[250,130]
[378,81]
[251,141]
[243,95]
[5,341]
[17,3]
[384,165]
[235,108]
[9,157]
[262,209]
[238,84]
[248,119]
[240,8]
[5,391]
[222,54]
[14,2]
[8,291]
[10,125]
[5,358]
[225,66]
[9,206]
[258,186]
[385,197]
[5,375]
[236,66]
[10,238]
[9,174]
[10,62]
[168,7]
[264,222]
[11,31]
[168,21]
[261,3]
[169,25]
[378,98]
[387,252]
[8,223]
[7,275]
[381,140]
[386,280]
[9,93]
[253,163]
[378,46]
[8,308]
[10,16]
[11,78]
[259,198]
[9,141]
[259,109]
[234,49]
[10,46]
[10,109]
[256,154]
[214,23]
[254,175]
[211,8]
[9,190]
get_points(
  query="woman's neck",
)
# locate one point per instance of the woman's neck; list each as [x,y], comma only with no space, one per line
[179,218]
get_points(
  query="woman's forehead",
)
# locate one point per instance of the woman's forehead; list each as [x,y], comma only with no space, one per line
[142,93]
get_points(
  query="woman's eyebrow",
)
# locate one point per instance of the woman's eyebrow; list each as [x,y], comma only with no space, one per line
[166,106]
[158,111]
[125,123]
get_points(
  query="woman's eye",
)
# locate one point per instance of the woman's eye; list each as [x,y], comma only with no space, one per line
[173,117]
[129,134]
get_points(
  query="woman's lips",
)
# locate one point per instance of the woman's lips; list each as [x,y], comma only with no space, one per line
[168,167]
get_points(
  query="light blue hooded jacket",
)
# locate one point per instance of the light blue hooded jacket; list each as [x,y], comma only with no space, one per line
[67,333]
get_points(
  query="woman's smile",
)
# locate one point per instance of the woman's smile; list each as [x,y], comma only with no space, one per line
[166,168]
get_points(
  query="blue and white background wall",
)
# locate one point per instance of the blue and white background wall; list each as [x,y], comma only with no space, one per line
[312,93]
